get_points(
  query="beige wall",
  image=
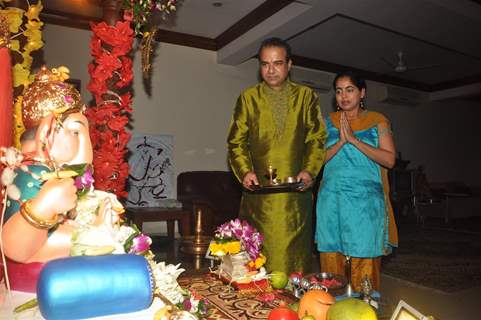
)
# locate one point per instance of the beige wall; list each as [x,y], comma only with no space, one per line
[442,136]
[193,97]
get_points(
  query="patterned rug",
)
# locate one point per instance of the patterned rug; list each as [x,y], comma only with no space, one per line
[438,258]
[229,304]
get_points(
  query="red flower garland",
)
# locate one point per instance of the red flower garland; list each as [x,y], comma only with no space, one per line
[111,73]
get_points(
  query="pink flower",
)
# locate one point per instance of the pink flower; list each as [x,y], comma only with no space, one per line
[187,304]
[251,240]
[84,181]
[140,244]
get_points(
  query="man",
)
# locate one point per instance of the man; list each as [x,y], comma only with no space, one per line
[278,124]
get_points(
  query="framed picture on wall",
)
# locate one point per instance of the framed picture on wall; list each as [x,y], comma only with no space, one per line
[150,181]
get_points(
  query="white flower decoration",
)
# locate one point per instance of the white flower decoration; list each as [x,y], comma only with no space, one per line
[165,277]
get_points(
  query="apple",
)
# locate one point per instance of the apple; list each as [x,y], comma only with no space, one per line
[278,279]
[282,313]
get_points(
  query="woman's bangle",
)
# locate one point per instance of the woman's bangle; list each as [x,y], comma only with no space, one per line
[34,220]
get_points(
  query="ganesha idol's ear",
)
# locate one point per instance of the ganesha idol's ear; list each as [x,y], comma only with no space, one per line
[43,137]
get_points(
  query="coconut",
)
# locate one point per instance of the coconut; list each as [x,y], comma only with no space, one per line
[352,309]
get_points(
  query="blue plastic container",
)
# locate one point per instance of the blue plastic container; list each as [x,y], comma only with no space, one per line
[92,286]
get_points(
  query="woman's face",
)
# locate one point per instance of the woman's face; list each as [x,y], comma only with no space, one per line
[348,96]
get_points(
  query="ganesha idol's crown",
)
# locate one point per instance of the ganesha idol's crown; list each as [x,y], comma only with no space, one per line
[49,94]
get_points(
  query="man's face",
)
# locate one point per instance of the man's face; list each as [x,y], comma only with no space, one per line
[274,66]
[71,144]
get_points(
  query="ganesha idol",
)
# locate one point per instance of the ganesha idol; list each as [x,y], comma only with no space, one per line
[42,208]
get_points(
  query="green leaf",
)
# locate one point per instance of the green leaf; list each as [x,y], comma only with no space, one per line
[27,305]
[78,168]
[129,241]
[82,192]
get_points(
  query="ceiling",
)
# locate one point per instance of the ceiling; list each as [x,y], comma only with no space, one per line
[440,39]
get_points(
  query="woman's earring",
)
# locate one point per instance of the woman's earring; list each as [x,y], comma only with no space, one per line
[338,108]
[361,104]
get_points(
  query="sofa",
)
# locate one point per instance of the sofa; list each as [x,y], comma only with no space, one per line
[216,193]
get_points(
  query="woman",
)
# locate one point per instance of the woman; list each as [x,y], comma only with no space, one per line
[354,214]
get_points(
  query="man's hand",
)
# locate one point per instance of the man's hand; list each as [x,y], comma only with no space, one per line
[250,179]
[306,179]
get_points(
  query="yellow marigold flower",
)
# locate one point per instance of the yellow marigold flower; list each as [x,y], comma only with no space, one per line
[62,72]
[33,45]
[232,247]
[33,33]
[20,75]
[18,127]
[27,59]
[216,248]
[34,36]
[32,24]
[260,261]
[34,11]
[14,17]
[15,45]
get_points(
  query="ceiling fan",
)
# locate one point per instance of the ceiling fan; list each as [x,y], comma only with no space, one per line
[401,67]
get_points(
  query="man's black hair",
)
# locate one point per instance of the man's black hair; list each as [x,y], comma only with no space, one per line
[275,42]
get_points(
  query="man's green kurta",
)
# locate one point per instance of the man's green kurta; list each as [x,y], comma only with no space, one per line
[253,144]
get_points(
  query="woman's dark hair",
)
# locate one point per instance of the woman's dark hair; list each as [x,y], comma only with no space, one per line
[275,42]
[355,79]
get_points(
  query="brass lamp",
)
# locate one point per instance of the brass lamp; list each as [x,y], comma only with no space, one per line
[198,243]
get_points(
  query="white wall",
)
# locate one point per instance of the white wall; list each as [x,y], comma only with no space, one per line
[193,97]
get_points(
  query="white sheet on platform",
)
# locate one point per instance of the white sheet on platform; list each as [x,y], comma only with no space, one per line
[9,301]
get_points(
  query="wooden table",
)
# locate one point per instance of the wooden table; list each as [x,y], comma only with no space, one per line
[154,214]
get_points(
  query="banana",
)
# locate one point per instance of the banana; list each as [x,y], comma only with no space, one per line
[59,174]
[99,250]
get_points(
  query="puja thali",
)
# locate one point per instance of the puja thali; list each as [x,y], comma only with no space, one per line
[278,188]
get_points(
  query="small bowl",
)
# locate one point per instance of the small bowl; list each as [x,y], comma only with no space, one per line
[334,290]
